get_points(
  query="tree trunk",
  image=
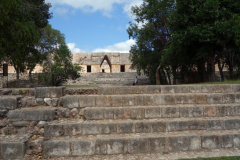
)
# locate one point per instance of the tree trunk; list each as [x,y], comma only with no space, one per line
[158,75]
[30,76]
[220,70]
[201,71]
[174,75]
[165,77]
[169,77]
[211,67]
[230,57]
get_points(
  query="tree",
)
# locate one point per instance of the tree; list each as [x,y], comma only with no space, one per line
[20,23]
[205,32]
[152,37]
[57,66]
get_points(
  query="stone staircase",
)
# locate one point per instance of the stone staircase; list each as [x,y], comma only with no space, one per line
[148,119]
[128,120]
[109,79]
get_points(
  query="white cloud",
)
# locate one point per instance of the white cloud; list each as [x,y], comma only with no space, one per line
[106,6]
[71,46]
[61,11]
[122,47]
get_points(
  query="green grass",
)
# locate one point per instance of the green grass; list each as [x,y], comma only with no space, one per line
[224,82]
[215,158]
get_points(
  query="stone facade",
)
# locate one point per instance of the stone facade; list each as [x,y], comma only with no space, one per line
[114,59]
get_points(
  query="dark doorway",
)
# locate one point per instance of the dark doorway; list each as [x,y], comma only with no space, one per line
[89,69]
[103,70]
[122,68]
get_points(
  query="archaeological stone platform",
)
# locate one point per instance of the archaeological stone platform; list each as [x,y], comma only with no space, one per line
[60,122]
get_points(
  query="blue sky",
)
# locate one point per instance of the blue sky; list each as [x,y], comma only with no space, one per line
[94,25]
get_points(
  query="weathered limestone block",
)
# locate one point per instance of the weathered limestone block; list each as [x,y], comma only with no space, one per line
[232,124]
[184,112]
[54,102]
[74,112]
[15,115]
[227,141]
[103,101]
[56,148]
[172,126]
[49,92]
[107,128]
[138,145]
[197,125]
[221,88]
[105,90]
[122,113]
[152,112]
[194,143]
[159,126]
[236,88]
[70,101]
[211,142]
[210,111]
[228,98]
[129,100]
[143,127]
[185,99]
[117,101]
[122,90]
[178,144]
[101,147]
[236,140]
[153,89]
[51,131]
[89,129]
[109,113]
[87,101]
[12,150]
[48,101]
[237,98]
[82,147]
[214,98]
[157,145]
[182,89]
[137,113]
[167,89]
[206,88]
[8,103]
[183,125]
[40,101]
[126,127]
[201,99]
[72,129]
[116,146]
[195,111]
[21,123]
[170,112]
[163,99]
[215,125]
[3,113]
[194,88]
[93,113]
[63,112]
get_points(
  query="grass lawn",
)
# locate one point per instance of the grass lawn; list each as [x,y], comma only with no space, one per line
[215,158]
[224,82]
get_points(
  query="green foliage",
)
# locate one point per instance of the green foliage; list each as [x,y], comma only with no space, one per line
[20,21]
[152,37]
[57,67]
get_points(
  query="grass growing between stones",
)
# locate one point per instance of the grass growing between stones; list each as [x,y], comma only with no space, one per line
[215,158]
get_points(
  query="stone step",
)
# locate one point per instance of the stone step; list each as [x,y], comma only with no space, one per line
[13,147]
[148,99]
[79,128]
[162,111]
[32,114]
[141,143]
[171,89]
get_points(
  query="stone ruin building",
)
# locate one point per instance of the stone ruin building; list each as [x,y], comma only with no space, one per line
[114,62]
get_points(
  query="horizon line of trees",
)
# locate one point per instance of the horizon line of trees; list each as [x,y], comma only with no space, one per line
[175,38]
